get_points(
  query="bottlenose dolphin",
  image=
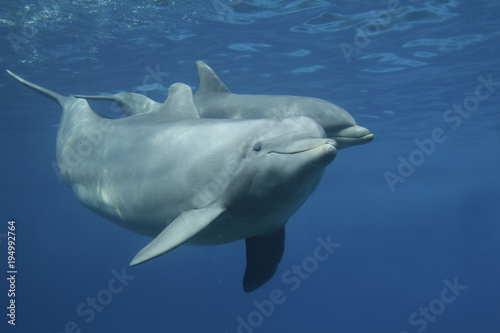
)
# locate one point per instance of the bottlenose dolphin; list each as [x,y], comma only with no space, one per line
[170,175]
[214,100]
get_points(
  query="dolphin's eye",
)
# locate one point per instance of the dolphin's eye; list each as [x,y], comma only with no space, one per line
[257,146]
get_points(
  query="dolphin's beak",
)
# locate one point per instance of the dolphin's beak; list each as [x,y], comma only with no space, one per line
[352,136]
[304,145]
[320,151]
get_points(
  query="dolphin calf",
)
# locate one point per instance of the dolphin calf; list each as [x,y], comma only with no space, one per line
[180,179]
[214,100]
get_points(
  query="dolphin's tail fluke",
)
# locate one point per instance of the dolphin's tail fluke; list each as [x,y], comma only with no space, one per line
[59,99]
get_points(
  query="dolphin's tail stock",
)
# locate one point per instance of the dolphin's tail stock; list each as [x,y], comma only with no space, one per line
[59,99]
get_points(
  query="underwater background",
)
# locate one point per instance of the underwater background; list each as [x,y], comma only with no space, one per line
[415,213]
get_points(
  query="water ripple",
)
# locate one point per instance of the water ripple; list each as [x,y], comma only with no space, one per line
[383,20]
[393,59]
[308,69]
[253,47]
[447,44]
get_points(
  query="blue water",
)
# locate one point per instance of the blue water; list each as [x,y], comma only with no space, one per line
[418,222]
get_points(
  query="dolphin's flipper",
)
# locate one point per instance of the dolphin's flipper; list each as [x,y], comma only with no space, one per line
[209,81]
[59,99]
[264,253]
[179,231]
[130,103]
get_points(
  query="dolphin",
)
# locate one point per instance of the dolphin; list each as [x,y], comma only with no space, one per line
[214,100]
[181,179]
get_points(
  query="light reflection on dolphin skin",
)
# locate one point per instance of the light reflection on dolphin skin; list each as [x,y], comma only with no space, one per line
[170,175]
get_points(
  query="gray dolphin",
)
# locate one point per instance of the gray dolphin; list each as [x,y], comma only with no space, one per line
[214,100]
[170,175]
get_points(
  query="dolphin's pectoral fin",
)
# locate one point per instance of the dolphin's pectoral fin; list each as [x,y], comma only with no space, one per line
[179,231]
[59,99]
[264,253]
[130,103]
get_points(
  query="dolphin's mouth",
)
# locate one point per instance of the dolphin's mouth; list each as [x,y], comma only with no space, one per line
[306,145]
[364,138]
[349,138]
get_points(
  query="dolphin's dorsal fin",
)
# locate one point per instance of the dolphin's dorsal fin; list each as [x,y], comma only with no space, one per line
[209,81]
[179,104]
[179,231]
[264,253]
[59,99]
[130,103]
